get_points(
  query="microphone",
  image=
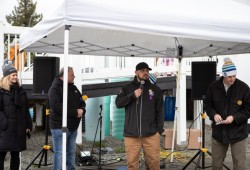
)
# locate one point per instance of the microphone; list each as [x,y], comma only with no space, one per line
[141,87]
[142,83]
[83,98]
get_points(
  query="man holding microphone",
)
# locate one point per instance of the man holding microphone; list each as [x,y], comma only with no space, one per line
[144,118]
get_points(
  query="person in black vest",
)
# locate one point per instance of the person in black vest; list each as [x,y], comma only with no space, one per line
[227,104]
[144,118]
[15,119]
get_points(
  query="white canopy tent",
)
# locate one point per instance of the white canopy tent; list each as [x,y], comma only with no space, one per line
[143,28]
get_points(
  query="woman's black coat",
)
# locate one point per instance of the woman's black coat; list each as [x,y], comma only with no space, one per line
[14,119]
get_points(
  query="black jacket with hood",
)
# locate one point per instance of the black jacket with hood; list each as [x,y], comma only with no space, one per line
[55,96]
[235,102]
[14,119]
[143,116]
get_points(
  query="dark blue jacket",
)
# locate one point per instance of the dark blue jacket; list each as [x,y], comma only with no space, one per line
[235,102]
[142,117]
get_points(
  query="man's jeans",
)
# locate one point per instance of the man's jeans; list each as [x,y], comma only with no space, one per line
[70,149]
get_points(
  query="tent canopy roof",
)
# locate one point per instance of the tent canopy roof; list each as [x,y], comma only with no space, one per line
[144,28]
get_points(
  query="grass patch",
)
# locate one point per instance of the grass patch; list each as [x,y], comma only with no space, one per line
[120,150]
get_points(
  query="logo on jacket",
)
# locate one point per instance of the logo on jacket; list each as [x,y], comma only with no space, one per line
[239,102]
[151,94]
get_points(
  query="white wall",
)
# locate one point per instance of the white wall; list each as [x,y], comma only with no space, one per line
[242,63]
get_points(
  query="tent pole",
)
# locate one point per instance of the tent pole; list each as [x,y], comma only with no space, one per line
[76,62]
[65,95]
[181,105]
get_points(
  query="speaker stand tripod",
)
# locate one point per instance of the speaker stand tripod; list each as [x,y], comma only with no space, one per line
[46,147]
[202,151]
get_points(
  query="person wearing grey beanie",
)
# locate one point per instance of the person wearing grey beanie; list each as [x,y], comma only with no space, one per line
[8,68]
[15,120]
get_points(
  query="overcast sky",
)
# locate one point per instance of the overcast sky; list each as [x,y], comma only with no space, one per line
[46,7]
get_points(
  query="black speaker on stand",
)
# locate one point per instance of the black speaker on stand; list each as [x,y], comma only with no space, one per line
[45,69]
[203,73]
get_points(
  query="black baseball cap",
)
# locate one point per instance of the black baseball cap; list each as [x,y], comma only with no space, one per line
[141,66]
